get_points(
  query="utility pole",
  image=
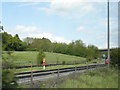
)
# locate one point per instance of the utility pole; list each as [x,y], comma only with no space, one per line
[108,36]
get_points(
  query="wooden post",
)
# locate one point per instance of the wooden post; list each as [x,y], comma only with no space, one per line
[31,75]
[87,67]
[75,69]
[58,73]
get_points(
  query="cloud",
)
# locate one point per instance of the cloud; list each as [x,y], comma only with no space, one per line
[35,32]
[50,36]
[81,28]
[25,29]
[28,4]
[66,7]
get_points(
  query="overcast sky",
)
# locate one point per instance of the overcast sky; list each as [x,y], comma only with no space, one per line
[62,21]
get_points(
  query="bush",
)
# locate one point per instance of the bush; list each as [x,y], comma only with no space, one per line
[8,80]
[40,57]
[63,62]
[114,57]
[89,59]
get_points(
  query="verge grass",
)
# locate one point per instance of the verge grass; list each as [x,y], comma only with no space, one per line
[99,78]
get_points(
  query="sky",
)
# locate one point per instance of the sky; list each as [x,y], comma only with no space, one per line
[62,21]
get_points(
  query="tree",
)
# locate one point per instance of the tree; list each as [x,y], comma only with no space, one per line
[71,47]
[40,57]
[29,40]
[6,41]
[8,80]
[10,43]
[92,51]
[41,44]
[115,55]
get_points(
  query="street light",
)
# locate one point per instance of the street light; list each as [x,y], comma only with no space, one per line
[108,36]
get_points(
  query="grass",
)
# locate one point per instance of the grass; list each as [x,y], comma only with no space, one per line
[24,57]
[100,78]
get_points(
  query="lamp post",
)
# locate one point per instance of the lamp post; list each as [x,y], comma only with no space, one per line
[108,35]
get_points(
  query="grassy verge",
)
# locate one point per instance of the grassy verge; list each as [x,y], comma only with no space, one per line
[100,78]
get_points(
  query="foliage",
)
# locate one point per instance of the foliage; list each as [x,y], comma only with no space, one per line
[89,58]
[40,57]
[115,55]
[92,51]
[10,43]
[41,44]
[63,62]
[28,40]
[76,48]
[8,80]
[8,60]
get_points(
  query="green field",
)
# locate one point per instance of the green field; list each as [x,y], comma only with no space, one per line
[24,57]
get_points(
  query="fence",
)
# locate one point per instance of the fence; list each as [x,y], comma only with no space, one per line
[30,78]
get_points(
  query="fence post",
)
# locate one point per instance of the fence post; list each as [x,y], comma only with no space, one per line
[31,75]
[75,69]
[58,73]
[98,65]
[87,66]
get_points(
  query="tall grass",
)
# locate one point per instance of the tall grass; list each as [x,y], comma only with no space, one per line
[100,78]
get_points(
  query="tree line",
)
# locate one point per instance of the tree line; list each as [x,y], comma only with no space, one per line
[12,43]
[77,47]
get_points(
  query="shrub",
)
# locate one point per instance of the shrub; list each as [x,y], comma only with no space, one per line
[40,57]
[115,56]
[89,59]
[63,62]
